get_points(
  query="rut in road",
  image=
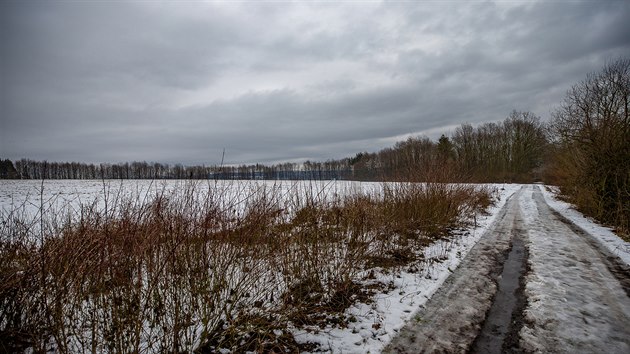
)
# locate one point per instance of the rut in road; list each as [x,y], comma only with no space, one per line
[499,333]
[452,318]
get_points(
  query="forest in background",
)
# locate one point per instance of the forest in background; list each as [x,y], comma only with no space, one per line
[584,149]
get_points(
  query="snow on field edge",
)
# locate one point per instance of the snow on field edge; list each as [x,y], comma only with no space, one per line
[377,323]
[602,234]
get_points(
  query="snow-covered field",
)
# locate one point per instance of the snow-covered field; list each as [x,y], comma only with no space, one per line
[70,195]
[375,323]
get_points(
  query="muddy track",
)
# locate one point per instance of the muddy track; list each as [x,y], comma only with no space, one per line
[453,317]
[535,282]
[500,331]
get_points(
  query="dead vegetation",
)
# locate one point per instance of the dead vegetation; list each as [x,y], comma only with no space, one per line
[201,269]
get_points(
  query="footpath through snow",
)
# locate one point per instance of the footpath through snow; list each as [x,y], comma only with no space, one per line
[452,319]
[574,302]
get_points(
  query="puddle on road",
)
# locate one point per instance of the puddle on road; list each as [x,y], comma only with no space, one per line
[508,304]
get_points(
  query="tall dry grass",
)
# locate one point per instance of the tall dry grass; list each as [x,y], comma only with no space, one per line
[192,270]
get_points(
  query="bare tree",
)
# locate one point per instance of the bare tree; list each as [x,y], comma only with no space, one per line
[592,128]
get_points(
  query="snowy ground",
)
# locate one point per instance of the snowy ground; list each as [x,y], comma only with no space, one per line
[603,235]
[575,303]
[32,199]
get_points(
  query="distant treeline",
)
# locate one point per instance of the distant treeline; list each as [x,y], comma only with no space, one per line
[508,151]
[29,169]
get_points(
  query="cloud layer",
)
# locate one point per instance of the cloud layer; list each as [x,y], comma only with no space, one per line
[282,81]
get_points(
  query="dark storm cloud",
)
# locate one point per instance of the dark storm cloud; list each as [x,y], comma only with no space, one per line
[113,81]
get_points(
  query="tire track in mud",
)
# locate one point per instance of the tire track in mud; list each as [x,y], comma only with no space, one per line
[499,333]
[450,321]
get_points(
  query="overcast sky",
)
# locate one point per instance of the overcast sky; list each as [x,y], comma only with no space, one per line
[110,81]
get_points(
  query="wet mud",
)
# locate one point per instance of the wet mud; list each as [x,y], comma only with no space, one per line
[499,333]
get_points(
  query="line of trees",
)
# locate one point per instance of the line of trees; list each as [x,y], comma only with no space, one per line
[508,151]
[30,169]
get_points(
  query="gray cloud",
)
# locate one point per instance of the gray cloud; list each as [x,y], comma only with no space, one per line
[108,82]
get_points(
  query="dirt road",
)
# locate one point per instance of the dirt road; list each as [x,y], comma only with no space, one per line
[534,283]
